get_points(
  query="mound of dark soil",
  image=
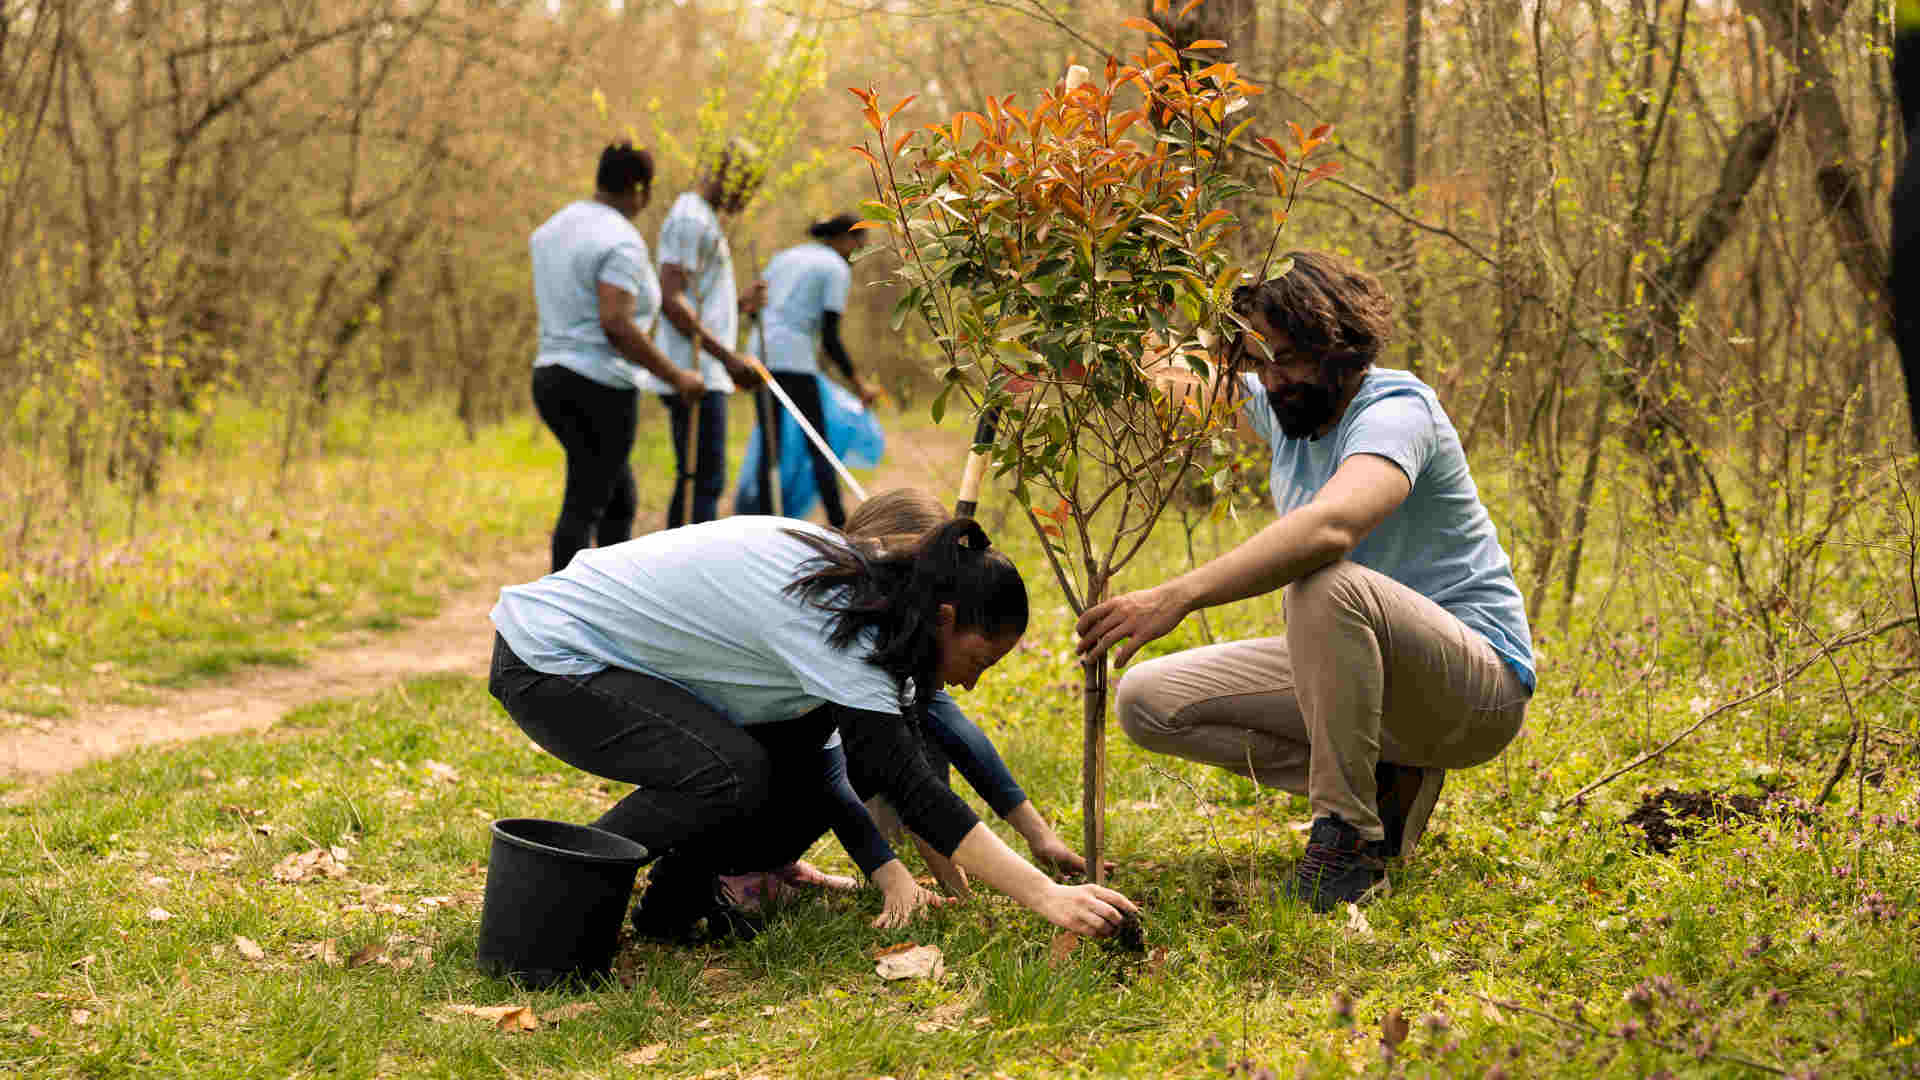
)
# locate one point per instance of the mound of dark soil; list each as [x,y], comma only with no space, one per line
[1666,817]
[1131,937]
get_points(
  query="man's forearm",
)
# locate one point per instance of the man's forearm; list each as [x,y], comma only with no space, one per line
[1284,552]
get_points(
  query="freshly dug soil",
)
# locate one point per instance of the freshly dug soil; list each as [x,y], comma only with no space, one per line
[1132,935]
[1666,817]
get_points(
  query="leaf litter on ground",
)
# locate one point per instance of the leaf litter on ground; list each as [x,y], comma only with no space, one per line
[910,961]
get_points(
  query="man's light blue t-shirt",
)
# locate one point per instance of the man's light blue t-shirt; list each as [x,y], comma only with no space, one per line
[702,605]
[586,243]
[803,283]
[692,239]
[1440,542]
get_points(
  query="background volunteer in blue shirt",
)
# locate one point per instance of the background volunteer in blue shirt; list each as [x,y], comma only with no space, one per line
[700,323]
[709,664]
[1406,649]
[596,291]
[807,287]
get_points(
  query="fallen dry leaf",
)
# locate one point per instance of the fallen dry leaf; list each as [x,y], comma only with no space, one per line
[442,772]
[646,1055]
[249,948]
[306,865]
[1393,1027]
[503,1017]
[917,962]
[325,952]
[367,954]
[944,1017]
[158,914]
[1156,960]
[1061,947]
[1357,924]
[34,1032]
[570,1011]
[80,1017]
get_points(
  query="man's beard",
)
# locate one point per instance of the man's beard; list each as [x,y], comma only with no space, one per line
[1301,409]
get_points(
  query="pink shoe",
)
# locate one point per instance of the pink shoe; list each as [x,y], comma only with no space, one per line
[750,892]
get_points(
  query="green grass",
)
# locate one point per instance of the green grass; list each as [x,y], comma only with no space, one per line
[1526,940]
[1790,942]
[233,564]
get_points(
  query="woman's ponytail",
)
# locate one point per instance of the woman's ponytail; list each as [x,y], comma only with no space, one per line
[896,596]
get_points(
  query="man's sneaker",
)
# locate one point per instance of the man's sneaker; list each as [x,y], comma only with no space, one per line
[1339,867]
[1407,794]
[685,905]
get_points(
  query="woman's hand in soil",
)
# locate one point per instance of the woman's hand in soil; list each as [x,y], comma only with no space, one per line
[903,898]
[1087,910]
[803,873]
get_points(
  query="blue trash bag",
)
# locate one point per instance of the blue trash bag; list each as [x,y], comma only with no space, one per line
[852,431]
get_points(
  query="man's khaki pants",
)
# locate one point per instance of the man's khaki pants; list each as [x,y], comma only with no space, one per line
[1368,670]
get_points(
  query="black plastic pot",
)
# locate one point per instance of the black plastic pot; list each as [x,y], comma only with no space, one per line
[555,896]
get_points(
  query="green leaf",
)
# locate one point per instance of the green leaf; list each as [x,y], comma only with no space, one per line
[905,306]
[940,401]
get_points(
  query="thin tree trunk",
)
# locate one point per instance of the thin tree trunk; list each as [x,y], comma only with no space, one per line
[1093,766]
[1411,317]
[1798,34]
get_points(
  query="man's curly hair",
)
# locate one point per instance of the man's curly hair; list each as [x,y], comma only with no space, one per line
[1326,307]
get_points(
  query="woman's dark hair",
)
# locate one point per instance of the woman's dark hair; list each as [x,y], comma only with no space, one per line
[896,595]
[623,168]
[1325,306]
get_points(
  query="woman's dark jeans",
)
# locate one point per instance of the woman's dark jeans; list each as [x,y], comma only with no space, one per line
[711,793]
[595,425]
[709,458]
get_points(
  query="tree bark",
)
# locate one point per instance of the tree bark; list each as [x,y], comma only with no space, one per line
[1797,33]
[1410,178]
[1093,766]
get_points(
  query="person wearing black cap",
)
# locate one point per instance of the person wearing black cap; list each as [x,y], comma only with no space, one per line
[807,287]
[596,293]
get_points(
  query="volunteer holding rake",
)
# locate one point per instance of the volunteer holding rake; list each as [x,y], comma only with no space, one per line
[700,326]
[806,288]
[596,291]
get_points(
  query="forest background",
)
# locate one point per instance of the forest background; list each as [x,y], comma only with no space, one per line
[265,329]
[1635,244]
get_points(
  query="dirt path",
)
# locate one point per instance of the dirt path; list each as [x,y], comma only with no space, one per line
[458,639]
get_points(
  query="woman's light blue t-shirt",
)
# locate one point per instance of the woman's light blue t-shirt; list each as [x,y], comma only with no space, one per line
[586,243]
[702,605]
[1440,542]
[803,283]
